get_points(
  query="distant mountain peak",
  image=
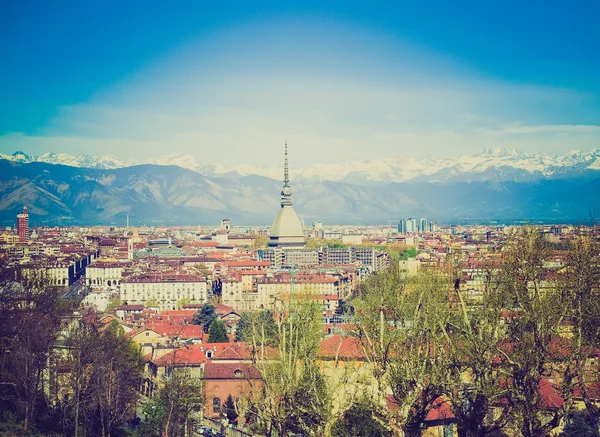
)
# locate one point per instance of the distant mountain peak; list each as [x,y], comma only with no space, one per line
[21,156]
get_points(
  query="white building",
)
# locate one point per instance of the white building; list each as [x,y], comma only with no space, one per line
[409,267]
[105,274]
[167,290]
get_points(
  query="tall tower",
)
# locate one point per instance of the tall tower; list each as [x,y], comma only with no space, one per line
[23,225]
[287,229]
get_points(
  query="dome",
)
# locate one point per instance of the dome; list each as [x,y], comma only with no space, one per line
[287,227]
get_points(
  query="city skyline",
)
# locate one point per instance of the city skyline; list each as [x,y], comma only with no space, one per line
[335,80]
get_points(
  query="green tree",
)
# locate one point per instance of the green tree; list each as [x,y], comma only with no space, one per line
[243,325]
[182,302]
[171,412]
[358,421]
[217,332]
[577,427]
[113,303]
[153,424]
[254,325]
[230,410]
[310,406]
[205,316]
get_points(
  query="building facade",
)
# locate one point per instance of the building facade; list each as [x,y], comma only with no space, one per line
[23,225]
[167,291]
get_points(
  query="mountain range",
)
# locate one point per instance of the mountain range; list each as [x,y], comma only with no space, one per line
[495,185]
[491,164]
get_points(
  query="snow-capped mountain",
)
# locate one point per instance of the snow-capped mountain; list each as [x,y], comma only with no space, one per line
[84,161]
[493,164]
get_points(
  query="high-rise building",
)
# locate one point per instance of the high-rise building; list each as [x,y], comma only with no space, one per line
[287,229]
[23,225]
[402,226]
[423,225]
[411,225]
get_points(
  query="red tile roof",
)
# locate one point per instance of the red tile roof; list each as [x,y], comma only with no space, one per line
[440,410]
[230,371]
[235,351]
[342,347]
[190,355]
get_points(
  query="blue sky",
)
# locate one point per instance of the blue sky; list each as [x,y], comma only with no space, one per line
[339,80]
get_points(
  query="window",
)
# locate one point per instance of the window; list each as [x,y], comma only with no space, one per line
[238,373]
[216,405]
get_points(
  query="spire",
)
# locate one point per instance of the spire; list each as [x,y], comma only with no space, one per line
[286,193]
[286,175]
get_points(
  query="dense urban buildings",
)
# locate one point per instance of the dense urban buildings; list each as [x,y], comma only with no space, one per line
[156,283]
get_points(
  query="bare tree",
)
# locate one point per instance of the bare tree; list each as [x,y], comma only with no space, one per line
[401,323]
[292,395]
[476,386]
[532,352]
[32,313]
[580,286]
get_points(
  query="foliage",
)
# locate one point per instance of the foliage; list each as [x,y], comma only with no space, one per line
[205,316]
[260,242]
[527,354]
[217,332]
[41,335]
[580,289]
[242,327]
[310,402]
[113,303]
[32,315]
[293,395]
[344,308]
[182,302]
[170,413]
[181,395]
[400,323]
[105,374]
[473,337]
[577,427]
[254,325]
[230,410]
[315,243]
[410,252]
[358,421]
[151,303]
[154,412]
